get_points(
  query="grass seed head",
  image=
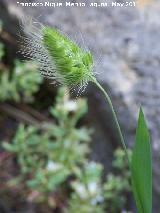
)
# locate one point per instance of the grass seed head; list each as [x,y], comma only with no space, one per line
[59,58]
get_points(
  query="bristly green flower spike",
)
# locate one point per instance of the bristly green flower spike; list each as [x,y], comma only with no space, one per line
[58,56]
[74,66]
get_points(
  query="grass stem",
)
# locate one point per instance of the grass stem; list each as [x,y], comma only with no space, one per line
[114,116]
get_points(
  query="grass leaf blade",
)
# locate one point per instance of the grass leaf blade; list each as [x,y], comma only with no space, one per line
[141,166]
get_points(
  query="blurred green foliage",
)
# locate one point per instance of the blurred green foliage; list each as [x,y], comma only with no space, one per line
[21,83]
[117,186]
[87,195]
[52,152]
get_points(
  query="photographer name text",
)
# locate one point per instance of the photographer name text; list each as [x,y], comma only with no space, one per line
[81,4]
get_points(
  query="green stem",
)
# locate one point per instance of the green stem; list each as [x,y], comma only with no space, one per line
[114,116]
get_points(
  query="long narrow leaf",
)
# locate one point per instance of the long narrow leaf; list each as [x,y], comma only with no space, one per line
[141,166]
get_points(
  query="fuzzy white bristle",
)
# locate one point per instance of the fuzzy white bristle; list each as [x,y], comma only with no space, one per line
[32,48]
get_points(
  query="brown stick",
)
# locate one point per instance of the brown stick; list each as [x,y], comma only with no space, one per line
[18,114]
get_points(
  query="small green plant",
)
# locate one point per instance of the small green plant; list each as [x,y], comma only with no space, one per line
[64,61]
[87,194]
[50,154]
[21,83]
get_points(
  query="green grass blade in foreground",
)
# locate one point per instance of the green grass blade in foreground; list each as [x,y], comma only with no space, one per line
[141,166]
